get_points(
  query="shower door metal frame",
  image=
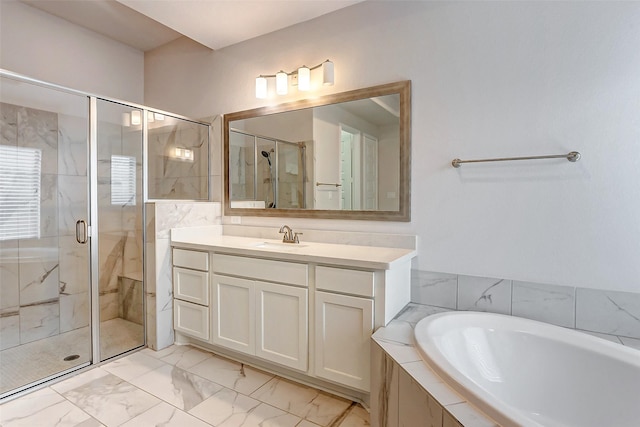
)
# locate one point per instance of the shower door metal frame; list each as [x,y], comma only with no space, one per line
[92,215]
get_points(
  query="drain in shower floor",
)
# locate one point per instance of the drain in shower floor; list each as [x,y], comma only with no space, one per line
[72,357]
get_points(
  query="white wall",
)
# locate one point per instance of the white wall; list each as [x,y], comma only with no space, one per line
[42,46]
[488,79]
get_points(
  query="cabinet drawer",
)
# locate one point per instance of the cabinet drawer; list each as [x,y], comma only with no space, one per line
[191,259]
[191,285]
[263,269]
[191,319]
[345,281]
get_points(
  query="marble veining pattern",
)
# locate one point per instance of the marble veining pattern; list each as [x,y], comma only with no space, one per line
[148,388]
[616,313]
[484,294]
[551,304]
[176,386]
[590,310]
[434,288]
[111,400]
[302,401]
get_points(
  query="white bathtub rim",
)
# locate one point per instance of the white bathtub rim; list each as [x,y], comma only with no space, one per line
[489,404]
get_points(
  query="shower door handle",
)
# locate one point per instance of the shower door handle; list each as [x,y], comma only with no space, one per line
[81,232]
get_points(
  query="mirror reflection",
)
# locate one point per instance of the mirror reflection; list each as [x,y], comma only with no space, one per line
[343,153]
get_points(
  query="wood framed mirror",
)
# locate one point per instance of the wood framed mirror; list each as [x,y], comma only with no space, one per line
[341,156]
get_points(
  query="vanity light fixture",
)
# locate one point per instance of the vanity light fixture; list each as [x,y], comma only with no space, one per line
[134,118]
[184,154]
[302,76]
[261,87]
[282,83]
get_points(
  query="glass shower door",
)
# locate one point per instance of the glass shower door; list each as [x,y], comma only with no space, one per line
[44,252]
[120,228]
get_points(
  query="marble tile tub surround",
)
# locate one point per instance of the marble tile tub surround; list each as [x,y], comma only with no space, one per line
[180,386]
[406,392]
[598,311]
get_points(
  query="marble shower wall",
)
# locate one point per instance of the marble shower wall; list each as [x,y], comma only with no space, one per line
[43,281]
[121,227]
[171,177]
[161,218]
[592,310]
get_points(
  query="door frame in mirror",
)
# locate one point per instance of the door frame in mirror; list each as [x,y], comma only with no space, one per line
[403,214]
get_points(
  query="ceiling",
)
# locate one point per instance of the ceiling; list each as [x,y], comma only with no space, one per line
[147,24]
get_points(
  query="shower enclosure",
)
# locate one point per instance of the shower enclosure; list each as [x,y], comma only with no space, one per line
[72,199]
[268,172]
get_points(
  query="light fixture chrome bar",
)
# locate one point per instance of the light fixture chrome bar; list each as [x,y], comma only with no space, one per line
[573,156]
[295,72]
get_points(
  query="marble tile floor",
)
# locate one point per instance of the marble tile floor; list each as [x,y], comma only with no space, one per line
[27,363]
[180,386]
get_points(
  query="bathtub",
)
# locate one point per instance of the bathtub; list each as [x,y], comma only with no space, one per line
[526,373]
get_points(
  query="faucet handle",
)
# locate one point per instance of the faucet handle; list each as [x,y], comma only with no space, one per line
[295,237]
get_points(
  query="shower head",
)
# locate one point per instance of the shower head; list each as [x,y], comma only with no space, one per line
[267,155]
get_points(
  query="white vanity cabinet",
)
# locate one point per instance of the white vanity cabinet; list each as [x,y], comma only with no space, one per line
[191,292]
[304,312]
[343,325]
[257,317]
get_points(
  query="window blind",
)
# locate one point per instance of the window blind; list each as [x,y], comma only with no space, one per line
[123,180]
[20,171]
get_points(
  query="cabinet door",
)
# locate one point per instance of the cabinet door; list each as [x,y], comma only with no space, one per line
[233,313]
[343,330]
[191,319]
[282,324]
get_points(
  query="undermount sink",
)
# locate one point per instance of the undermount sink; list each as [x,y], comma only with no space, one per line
[279,245]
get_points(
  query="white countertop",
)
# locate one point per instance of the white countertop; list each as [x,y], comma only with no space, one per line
[370,257]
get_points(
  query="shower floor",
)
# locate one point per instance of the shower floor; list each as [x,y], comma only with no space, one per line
[27,363]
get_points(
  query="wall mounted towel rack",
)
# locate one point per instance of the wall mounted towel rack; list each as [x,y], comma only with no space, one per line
[327,183]
[573,156]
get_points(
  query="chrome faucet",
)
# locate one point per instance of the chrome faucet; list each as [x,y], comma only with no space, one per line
[289,235]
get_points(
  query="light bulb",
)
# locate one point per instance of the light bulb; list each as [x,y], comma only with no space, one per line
[282,83]
[261,87]
[327,73]
[304,78]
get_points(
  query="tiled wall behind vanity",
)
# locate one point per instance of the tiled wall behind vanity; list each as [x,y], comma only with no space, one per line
[606,312]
